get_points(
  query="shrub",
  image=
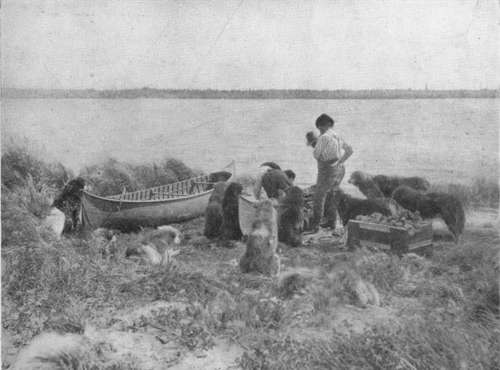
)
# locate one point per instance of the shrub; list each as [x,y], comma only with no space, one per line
[480,192]
[426,344]
[19,164]
[112,176]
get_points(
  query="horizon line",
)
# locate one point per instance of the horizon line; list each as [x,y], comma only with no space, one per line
[249,89]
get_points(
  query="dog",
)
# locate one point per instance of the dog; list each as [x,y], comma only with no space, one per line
[215,177]
[69,202]
[387,184]
[274,180]
[230,216]
[260,255]
[213,212]
[291,219]
[56,221]
[431,205]
[50,351]
[366,185]
[156,246]
[349,208]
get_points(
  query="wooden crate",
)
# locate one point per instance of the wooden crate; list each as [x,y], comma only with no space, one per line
[388,238]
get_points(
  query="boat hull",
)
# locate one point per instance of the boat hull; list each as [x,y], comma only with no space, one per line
[131,215]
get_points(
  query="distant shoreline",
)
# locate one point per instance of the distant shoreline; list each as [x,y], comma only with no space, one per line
[14,93]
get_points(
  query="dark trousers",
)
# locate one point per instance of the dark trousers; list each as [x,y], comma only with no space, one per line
[329,178]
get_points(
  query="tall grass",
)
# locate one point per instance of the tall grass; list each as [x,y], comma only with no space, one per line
[112,176]
[44,278]
[417,344]
[481,192]
[20,163]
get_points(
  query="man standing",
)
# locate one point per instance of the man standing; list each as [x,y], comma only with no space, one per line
[331,151]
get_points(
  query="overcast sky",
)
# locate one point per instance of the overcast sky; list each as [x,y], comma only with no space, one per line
[220,44]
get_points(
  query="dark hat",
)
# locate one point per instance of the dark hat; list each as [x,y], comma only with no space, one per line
[324,120]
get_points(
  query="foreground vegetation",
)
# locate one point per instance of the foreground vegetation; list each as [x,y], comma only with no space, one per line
[436,312]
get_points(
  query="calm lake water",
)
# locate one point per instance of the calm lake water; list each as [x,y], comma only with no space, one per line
[443,139]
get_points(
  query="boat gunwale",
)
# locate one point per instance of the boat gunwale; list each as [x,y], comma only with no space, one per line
[151,201]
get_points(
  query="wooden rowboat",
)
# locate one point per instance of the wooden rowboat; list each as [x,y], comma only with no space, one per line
[176,202]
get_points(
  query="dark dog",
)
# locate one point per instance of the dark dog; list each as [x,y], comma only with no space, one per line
[431,205]
[273,181]
[387,184]
[291,217]
[69,202]
[364,182]
[230,220]
[219,176]
[349,208]
[213,213]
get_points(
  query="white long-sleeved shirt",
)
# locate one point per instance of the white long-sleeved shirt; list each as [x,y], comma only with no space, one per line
[329,146]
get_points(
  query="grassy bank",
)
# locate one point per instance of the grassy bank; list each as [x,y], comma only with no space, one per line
[436,312]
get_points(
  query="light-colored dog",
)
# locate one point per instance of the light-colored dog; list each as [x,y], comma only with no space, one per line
[55,221]
[50,351]
[156,246]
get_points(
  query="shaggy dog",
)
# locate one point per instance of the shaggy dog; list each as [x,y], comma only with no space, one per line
[69,202]
[53,351]
[156,245]
[230,219]
[214,177]
[106,241]
[431,205]
[56,221]
[260,255]
[364,182]
[291,218]
[273,181]
[213,213]
[387,184]
[349,208]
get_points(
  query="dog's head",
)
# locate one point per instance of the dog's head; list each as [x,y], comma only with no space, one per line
[419,183]
[168,234]
[219,176]
[359,177]
[234,189]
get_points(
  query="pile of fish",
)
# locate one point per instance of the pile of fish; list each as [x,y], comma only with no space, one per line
[411,221]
